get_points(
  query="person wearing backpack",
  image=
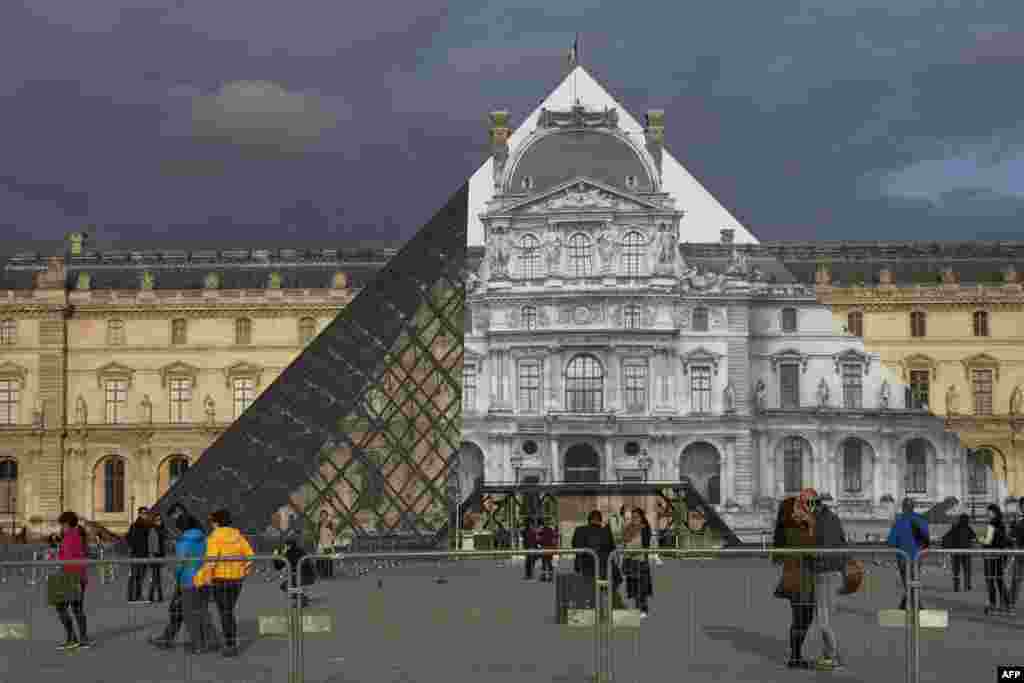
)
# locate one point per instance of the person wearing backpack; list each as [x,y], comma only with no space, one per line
[909,533]
[961,536]
[995,537]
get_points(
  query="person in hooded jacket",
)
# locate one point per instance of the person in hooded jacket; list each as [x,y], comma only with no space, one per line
[225,577]
[72,547]
[909,533]
[189,605]
[1017,541]
[995,537]
[961,536]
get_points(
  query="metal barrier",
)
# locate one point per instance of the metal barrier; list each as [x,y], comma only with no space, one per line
[704,573]
[30,629]
[309,620]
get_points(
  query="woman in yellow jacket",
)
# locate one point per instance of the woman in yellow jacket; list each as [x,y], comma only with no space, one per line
[223,578]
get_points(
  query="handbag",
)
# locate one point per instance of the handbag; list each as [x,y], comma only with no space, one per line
[853,577]
[63,588]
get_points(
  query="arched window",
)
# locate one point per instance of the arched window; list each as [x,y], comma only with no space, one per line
[584,385]
[8,486]
[632,252]
[582,464]
[918,324]
[170,471]
[855,324]
[915,478]
[529,317]
[580,259]
[853,458]
[631,316]
[243,331]
[8,332]
[700,319]
[307,330]
[111,484]
[529,257]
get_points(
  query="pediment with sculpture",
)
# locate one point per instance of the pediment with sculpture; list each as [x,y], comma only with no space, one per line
[582,195]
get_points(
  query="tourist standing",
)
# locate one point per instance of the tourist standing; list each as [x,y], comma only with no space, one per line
[138,548]
[795,528]
[157,550]
[72,547]
[1017,541]
[829,573]
[995,538]
[531,541]
[961,537]
[637,568]
[225,577]
[909,533]
[548,541]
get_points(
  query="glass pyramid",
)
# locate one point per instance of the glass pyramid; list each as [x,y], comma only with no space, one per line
[365,424]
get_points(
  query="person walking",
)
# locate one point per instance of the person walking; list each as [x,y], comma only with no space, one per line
[795,528]
[138,548]
[995,538]
[961,536]
[597,537]
[637,567]
[157,539]
[909,533]
[829,571]
[549,541]
[531,541]
[190,605]
[72,547]
[325,545]
[1017,541]
[225,577]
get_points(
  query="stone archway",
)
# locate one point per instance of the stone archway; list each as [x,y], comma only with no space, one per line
[701,464]
[581,464]
[471,466]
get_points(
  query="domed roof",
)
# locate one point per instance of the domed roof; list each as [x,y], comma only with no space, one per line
[568,154]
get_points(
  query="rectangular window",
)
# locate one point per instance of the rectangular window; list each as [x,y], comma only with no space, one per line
[853,376]
[631,317]
[116,397]
[793,472]
[700,389]
[9,396]
[635,375]
[852,466]
[181,399]
[982,380]
[980,324]
[244,393]
[113,485]
[918,391]
[855,324]
[529,386]
[789,385]
[917,324]
[469,387]
[789,320]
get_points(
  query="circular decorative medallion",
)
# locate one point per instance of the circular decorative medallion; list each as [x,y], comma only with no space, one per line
[581,315]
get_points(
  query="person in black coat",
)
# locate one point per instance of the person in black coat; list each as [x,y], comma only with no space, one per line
[961,536]
[997,539]
[596,536]
[138,548]
[1017,540]
[292,553]
[157,550]
[637,567]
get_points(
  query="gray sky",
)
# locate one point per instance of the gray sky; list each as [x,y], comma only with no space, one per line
[237,123]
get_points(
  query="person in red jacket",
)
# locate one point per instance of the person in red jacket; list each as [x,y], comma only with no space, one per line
[72,547]
[548,540]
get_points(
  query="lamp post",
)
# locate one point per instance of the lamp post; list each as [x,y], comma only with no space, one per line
[12,505]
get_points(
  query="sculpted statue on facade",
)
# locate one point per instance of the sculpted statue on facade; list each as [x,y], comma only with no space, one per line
[667,246]
[553,252]
[473,282]
[952,400]
[738,263]
[81,411]
[883,395]
[729,397]
[499,257]
[274,281]
[147,280]
[211,410]
[1017,401]
[760,395]
[606,247]
[146,409]
[823,393]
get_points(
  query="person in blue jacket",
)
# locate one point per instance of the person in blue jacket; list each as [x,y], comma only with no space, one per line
[909,533]
[194,600]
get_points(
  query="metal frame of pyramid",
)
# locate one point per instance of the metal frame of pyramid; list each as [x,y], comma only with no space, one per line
[366,422]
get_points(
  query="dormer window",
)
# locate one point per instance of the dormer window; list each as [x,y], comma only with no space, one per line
[528,182]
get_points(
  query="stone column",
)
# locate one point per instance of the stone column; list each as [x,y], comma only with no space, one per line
[609,460]
[728,485]
[612,370]
[556,465]
[876,475]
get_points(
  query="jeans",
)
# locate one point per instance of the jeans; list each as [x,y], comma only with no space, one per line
[156,586]
[997,594]
[194,602]
[136,575]
[225,596]
[77,607]
[901,565]
[962,564]
[826,589]
[175,611]
[803,617]
[546,566]
[1016,577]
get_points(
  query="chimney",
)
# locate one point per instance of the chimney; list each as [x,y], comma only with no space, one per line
[886,277]
[654,136]
[76,243]
[499,143]
[728,234]
[53,276]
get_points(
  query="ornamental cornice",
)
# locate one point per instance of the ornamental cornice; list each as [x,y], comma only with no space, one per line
[980,361]
[243,369]
[1008,294]
[162,311]
[178,369]
[114,370]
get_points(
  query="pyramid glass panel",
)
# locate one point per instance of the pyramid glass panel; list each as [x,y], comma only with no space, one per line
[363,425]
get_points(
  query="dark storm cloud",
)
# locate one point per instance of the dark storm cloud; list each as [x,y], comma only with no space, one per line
[240,122]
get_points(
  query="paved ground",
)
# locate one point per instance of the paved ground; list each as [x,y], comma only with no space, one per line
[710,621]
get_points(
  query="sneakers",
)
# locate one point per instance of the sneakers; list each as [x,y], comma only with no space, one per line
[69,645]
[230,651]
[161,643]
[828,664]
[799,664]
[86,643]
[643,614]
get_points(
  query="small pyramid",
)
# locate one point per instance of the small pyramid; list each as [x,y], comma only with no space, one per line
[705,216]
